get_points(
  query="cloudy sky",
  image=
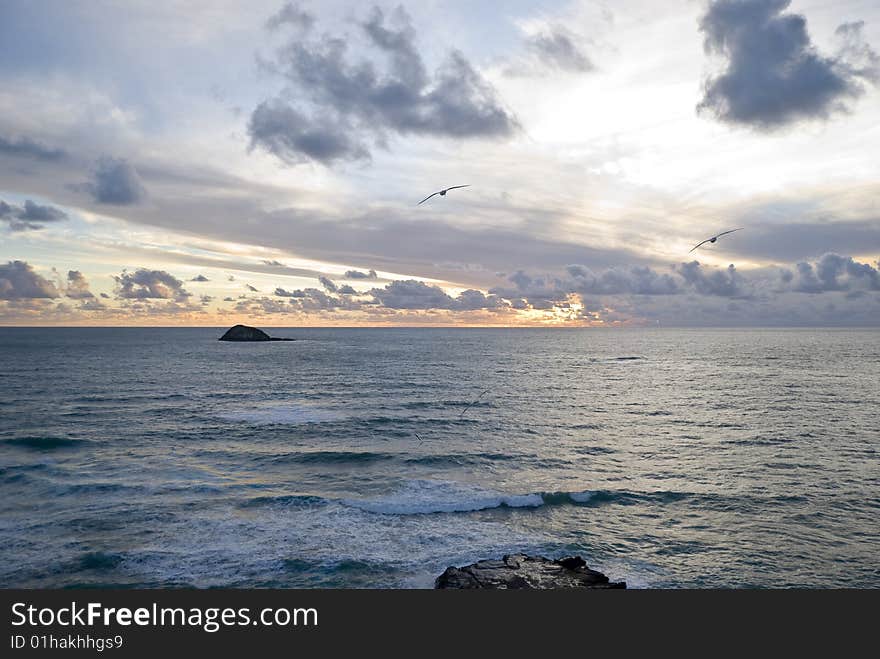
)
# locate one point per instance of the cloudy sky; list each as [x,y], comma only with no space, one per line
[204,162]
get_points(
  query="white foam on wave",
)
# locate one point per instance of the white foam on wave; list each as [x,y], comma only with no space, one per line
[581,497]
[286,414]
[419,497]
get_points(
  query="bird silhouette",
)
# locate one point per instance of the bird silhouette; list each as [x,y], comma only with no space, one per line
[472,403]
[442,193]
[713,238]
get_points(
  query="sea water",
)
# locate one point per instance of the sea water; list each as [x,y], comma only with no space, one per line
[377,457]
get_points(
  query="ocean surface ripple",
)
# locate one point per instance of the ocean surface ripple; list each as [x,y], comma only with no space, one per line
[667,458]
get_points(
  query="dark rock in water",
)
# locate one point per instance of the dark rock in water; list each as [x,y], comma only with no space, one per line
[521,571]
[245,333]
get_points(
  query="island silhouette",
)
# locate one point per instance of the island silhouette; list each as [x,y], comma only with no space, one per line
[247,333]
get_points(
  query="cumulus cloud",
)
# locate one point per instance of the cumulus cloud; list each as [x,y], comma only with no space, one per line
[30,216]
[618,281]
[252,289]
[24,147]
[327,283]
[200,278]
[293,137]
[77,286]
[413,294]
[725,282]
[263,305]
[92,305]
[150,284]
[832,272]
[353,103]
[18,281]
[114,181]
[357,274]
[280,292]
[773,74]
[300,300]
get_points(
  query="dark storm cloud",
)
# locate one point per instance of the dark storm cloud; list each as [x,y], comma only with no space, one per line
[357,274]
[774,75]
[77,286]
[114,181]
[29,217]
[345,289]
[558,48]
[18,281]
[23,147]
[355,102]
[150,284]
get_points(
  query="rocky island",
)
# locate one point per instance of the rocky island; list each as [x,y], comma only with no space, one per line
[522,571]
[245,333]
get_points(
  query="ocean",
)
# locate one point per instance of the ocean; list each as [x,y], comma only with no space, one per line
[350,458]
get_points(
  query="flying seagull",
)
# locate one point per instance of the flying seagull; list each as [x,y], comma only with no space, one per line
[713,238]
[442,193]
[472,403]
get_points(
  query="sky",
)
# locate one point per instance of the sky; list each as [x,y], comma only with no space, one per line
[211,162]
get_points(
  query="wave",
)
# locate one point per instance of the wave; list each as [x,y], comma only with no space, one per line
[43,443]
[98,560]
[331,457]
[461,459]
[286,414]
[285,500]
[421,497]
[424,497]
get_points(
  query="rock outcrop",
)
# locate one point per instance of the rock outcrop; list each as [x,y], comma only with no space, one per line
[522,571]
[245,333]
